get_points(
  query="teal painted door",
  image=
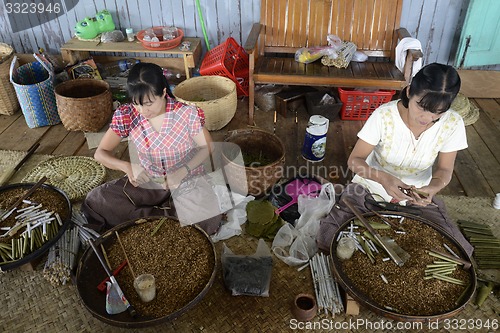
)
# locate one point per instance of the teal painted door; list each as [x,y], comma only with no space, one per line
[480,37]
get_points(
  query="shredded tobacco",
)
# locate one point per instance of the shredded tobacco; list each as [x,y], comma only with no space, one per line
[406,291]
[180,258]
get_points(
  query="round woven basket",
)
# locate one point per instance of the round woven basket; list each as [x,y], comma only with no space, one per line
[84,104]
[75,175]
[469,111]
[215,95]
[9,104]
[253,161]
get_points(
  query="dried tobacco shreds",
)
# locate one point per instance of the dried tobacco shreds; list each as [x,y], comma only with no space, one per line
[180,258]
[407,290]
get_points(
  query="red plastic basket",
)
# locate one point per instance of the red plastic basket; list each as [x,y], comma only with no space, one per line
[230,60]
[359,105]
[162,44]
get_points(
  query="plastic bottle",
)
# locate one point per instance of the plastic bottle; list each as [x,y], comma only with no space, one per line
[171,74]
[130,34]
[116,67]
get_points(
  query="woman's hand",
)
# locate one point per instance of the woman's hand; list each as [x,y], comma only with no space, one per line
[423,196]
[393,186]
[174,179]
[136,174]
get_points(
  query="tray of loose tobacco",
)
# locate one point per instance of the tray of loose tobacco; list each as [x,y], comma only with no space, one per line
[435,282]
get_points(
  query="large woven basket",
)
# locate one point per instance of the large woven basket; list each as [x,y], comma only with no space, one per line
[215,95]
[84,104]
[9,104]
[34,86]
[253,161]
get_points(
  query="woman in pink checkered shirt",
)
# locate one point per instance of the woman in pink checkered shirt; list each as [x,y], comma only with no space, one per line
[167,142]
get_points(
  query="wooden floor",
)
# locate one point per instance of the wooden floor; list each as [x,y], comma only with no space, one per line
[477,169]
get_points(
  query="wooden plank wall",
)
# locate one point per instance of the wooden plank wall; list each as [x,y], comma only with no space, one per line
[436,23]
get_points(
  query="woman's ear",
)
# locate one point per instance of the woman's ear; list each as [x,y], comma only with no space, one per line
[164,93]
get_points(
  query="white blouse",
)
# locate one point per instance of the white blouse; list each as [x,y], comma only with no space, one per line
[400,154]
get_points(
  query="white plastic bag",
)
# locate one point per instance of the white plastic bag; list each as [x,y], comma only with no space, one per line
[335,41]
[296,245]
[312,209]
[359,56]
[235,218]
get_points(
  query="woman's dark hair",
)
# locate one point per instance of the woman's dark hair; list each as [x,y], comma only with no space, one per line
[436,84]
[145,80]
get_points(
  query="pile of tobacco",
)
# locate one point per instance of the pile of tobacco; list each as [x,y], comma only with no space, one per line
[432,281]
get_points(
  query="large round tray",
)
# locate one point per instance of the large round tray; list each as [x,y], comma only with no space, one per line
[90,273]
[45,247]
[363,299]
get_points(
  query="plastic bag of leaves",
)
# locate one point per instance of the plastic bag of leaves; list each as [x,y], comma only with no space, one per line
[248,275]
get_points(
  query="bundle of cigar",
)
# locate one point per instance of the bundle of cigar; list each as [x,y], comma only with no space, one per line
[486,245]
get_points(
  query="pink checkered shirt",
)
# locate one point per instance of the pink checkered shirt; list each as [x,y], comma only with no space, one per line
[167,150]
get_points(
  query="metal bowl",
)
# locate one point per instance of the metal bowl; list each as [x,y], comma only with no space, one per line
[365,300]
[45,247]
[90,273]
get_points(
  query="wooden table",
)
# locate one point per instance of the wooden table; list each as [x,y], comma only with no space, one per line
[76,50]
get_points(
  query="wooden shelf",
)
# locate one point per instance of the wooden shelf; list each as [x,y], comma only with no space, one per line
[76,50]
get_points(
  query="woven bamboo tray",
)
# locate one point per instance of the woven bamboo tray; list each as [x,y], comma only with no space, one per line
[75,175]
[9,104]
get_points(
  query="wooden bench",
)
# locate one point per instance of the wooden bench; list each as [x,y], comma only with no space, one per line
[286,26]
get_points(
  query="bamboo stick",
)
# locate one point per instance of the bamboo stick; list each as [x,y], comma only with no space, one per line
[125,254]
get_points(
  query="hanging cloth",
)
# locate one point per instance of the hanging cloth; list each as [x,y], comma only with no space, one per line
[403,46]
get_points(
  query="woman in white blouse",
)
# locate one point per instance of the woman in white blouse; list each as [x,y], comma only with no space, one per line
[402,139]
[410,143]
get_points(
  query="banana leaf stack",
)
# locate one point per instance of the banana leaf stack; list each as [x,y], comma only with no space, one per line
[486,245]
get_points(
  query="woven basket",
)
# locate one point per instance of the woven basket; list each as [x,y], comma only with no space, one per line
[215,95]
[74,175]
[9,104]
[34,86]
[469,111]
[252,176]
[84,104]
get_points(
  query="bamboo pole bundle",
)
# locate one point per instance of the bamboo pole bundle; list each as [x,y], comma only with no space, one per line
[344,56]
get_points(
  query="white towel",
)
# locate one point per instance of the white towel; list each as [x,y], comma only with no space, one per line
[403,46]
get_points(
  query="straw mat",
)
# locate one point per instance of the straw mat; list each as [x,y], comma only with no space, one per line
[75,175]
[31,304]
[9,158]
